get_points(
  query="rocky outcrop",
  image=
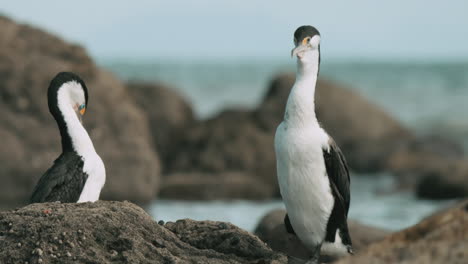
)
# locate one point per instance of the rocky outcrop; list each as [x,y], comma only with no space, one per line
[272,231]
[205,186]
[168,112]
[29,59]
[436,167]
[447,182]
[230,141]
[121,232]
[440,238]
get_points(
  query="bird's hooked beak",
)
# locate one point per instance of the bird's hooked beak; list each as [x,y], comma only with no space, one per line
[301,47]
[299,50]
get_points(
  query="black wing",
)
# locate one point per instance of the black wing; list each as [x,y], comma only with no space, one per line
[63,182]
[288,225]
[337,171]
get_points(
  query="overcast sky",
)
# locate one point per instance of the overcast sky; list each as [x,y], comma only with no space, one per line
[368,29]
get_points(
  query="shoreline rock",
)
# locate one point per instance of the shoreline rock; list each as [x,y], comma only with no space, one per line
[440,238]
[121,232]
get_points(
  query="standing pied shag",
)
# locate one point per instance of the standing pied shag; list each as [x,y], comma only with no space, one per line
[78,174]
[312,172]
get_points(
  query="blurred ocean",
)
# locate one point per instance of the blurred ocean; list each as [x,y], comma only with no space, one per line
[428,98]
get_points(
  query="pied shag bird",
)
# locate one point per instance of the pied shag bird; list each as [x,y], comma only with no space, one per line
[312,172]
[78,174]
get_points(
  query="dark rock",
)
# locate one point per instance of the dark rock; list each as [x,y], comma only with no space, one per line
[29,59]
[272,231]
[168,113]
[446,182]
[440,238]
[205,186]
[230,141]
[435,167]
[121,232]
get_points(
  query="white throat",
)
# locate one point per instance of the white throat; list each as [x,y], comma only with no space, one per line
[300,108]
[81,141]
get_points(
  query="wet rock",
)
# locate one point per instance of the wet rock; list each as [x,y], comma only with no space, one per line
[272,231]
[205,186]
[121,232]
[29,59]
[440,238]
[167,110]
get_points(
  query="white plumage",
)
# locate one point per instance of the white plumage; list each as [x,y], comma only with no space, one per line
[92,164]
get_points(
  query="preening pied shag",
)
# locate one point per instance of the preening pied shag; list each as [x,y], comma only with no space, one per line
[78,174]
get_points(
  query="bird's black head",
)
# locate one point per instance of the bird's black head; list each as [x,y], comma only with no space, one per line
[304,34]
[306,38]
[67,90]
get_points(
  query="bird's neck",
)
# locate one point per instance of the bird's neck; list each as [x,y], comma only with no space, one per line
[300,108]
[74,135]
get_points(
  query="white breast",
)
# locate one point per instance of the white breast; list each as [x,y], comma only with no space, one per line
[303,182]
[96,171]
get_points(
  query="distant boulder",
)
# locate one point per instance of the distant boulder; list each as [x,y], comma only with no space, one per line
[169,113]
[231,141]
[29,59]
[447,182]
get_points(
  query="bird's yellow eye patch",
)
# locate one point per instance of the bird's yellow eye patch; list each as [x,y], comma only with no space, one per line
[82,109]
[305,41]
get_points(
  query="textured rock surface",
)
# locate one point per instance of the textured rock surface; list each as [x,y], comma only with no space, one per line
[29,59]
[121,232]
[272,231]
[441,238]
[168,113]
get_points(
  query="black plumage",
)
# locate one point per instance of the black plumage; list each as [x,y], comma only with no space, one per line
[338,175]
[288,225]
[303,32]
[63,182]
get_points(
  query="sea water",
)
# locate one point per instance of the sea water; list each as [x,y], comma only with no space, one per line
[429,98]
[373,202]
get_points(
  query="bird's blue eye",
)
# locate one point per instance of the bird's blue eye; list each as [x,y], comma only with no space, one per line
[81,106]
